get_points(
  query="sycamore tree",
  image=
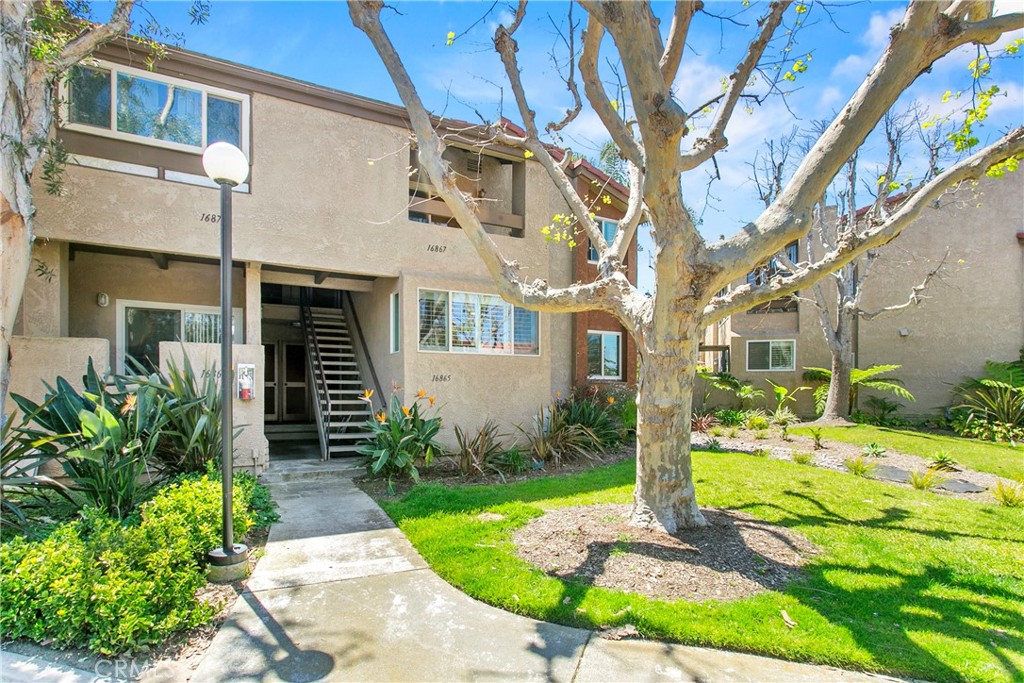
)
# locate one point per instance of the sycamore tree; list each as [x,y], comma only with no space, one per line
[655,141]
[890,182]
[41,42]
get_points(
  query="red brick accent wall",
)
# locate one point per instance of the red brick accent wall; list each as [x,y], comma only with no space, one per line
[599,320]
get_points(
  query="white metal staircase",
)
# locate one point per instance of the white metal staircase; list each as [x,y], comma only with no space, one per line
[341,414]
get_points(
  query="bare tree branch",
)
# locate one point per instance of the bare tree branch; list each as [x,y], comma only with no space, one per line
[673,54]
[915,297]
[923,36]
[851,245]
[570,81]
[631,219]
[605,294]
[92,37]
[715,140]
[598,98]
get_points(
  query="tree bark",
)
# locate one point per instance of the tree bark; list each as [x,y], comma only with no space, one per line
[15,255]
[837,404]
[664,496]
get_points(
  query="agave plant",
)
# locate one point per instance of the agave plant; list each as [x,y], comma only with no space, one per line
[860,378]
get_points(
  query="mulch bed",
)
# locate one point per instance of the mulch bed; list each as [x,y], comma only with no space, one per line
[734,557]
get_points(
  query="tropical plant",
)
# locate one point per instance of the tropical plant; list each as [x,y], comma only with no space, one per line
[995,400]
[761,453]
[513,460]
[717,431]
[926,480]
[714,446]
[783,397]
[23,491]
[191,434]
[816,435]
[730,418]
[883,408]
[758,422]
[400,437]
[1010,495]
[747,394]
[860,378]
[784,417]
[107,436]
[478,452]
[859,467]
[873,449]
[784,432]
[761,434]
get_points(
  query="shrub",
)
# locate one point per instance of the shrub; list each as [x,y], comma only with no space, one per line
[860,378]
[513,460]
[24,494]
[926,480]
[761,453]
[627,415]
[942,461]
[401,436]
[784,417]
[730,418]
[1010,495]
[733,433]
[553,438]
[716,431]
[873,449]
[816,435]
[858,466]
[758,422]
[883,408]
[594,415]
[702,422]
[801,458]
[784,433]
[478,452]
[761,434]
[111,586]
[714,446]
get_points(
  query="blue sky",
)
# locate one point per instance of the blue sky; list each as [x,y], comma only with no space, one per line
[315,41]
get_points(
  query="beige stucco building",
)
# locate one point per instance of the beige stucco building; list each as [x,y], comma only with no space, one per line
[971,311]
[329,220]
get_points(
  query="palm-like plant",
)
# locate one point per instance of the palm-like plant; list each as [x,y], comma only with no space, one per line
[998,397]
[860,378]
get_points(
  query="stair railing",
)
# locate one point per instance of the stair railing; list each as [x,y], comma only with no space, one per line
[350,312]
[317,377]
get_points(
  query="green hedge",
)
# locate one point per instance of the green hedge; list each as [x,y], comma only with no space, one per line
[113,587]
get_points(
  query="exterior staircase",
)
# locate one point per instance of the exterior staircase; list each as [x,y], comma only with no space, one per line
[336,382]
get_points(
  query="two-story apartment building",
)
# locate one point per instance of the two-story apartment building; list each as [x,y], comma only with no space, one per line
[971,311]
[348,272]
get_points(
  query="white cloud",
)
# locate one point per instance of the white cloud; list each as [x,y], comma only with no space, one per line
[879,27]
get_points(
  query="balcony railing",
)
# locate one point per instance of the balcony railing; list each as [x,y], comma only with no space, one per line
[436,212]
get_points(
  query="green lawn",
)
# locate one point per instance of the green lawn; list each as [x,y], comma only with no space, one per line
[983,456]
[908,582]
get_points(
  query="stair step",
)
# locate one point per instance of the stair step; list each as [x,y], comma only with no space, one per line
[351,448]
[349,436]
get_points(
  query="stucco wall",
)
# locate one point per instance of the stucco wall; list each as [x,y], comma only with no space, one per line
[374,310]
[251,452]
[35,360]
[972,311]
[137,279]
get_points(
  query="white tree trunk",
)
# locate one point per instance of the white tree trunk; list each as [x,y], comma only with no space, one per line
[15,255]
[837,404]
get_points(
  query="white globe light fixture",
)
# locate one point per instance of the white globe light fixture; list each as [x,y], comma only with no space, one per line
[227,166]
[225,163]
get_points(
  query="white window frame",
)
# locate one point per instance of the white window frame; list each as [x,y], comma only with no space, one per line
[770,342]
[477,351]
[603,334]
[395,310]
[112,131]
[602,222]
[119,343]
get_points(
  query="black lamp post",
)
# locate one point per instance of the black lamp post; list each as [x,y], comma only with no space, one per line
[227,166]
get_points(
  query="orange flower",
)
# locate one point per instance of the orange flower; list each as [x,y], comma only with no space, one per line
[611,399]
[422,393]
[382,417]
[367,394]
[406,411]
[129,404]
[431,399]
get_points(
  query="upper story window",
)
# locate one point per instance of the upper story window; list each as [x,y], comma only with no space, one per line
[130,104]
[467,322]
[608,228]
[763,274]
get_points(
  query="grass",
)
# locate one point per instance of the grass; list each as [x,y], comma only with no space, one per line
[1001,460]
[907,582]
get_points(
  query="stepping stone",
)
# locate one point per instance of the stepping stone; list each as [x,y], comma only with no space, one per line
[890,473]
[962,486]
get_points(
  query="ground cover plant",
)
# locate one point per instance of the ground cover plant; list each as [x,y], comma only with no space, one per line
[115,586]
[905,582]
[1002,460]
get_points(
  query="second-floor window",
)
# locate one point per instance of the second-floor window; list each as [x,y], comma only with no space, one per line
[608,229]
[131,104]
[467,322]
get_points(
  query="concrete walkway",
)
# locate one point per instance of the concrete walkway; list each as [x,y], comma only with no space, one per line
[341,595]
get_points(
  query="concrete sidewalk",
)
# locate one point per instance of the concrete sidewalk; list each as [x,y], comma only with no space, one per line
[342,595]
